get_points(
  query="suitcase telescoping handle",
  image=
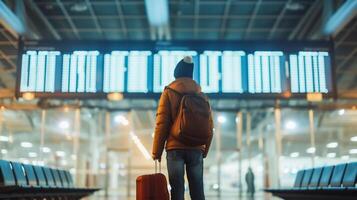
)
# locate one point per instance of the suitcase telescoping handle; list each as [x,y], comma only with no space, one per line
[156,166]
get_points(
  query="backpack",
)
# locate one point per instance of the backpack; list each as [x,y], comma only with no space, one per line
[192,125]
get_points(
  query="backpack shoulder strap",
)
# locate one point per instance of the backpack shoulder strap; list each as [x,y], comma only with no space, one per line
[175,91]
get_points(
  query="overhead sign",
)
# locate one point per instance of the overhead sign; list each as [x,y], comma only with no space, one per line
[223,69]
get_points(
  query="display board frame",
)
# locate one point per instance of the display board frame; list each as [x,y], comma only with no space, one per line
[106,46]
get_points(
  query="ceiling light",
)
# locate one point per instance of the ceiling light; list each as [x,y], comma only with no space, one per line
[341,112]
[46,150]
[345,157]
[32,154]
[102,165]
[331,155]
[311,150]
[290,125]
[140,145]
[26,144]
[120,119]
[79,7]
[74,157]
[354,139]
[332,145]
[294,6]
[3,151]
[64,124]
[115,96]
[353,151]
[64,162]
[221,119]
[294,154]
[28,96]
[60,153]
[4,138]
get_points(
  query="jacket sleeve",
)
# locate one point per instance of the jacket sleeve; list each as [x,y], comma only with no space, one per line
[208,144]
[163,123]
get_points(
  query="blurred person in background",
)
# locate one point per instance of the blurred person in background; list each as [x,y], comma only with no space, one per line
[249,179]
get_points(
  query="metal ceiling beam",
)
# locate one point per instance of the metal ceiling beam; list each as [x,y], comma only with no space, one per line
[95,19]
[347,59]
[32,5]
[8,60]
[340,18]
[196,16]
[121,17]
[12,42]
[175,29]
[313,8]
[251,20]
[69,19]
[224,19]
[278,20]
[11,21]
[345,34]
[117,17]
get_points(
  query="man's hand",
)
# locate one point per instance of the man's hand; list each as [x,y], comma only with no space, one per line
[156,158]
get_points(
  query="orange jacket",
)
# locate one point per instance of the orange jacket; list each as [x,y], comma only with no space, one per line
[166,113]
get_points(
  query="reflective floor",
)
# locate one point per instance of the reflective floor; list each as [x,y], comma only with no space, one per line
[256,197]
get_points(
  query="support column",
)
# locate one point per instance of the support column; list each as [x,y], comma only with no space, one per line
[107,139]
[248,129]
[273,154]
[239,122]
[130,143]
[42,137]
[278,142]
[80,162]
[312,136]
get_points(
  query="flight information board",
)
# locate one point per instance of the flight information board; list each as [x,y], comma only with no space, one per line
[223,69]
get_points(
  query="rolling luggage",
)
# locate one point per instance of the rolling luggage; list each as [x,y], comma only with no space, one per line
[152,186]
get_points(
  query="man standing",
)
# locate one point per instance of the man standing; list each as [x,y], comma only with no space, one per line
[184,149]
[249,179]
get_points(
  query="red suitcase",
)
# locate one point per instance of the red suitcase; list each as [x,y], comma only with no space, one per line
[152,187]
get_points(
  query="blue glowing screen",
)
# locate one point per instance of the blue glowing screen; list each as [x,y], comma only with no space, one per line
[149,71]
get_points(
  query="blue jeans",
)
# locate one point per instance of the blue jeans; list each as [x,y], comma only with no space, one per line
[176,161]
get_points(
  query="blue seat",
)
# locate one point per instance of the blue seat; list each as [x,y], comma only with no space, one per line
[7,177]
[337,175]
[41,179]
[49,177]
[326,176]
[57,177]
[350,177]
[316,176]
[69,178]
[64,178]
[19,174]
[307,178]
[30,175]
[298,179]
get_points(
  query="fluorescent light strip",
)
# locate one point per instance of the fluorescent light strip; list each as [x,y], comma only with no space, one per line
[140,145]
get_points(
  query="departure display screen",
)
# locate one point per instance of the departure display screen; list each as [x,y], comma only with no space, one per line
[222,69]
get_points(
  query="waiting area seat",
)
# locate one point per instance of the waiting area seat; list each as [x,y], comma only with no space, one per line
[330,182]
[24,181]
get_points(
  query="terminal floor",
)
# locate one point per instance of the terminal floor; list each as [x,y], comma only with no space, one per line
[257,197]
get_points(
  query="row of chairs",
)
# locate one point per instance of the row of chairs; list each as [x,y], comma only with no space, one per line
[330,182]
[24,181]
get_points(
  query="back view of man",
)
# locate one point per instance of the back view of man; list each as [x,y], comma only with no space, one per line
[179,152]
